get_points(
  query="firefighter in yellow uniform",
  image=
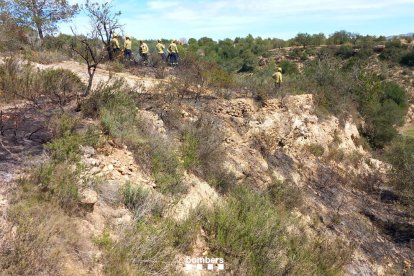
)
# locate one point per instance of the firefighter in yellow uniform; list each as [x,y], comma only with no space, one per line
[115,44]
[278,77]
[143,51]
[160,49]
[173,53]
[127,48]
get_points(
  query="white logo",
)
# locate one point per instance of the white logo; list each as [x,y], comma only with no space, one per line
[204,263]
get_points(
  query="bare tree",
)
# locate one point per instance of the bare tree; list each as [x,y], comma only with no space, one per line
[105,21]
[43,15]
[89,48]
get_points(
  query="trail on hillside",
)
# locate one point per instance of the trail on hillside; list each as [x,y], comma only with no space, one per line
[101,74]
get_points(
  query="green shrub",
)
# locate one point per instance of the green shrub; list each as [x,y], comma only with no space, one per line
[289,67]
[252,236]
[203,153]
[191,144]
[393,51]
[149,247]
[43,238]
[133,196]
[108,95]
[408,59]
[166,171]
[57,182]
[345,51]
[65,148]
[384,113]
[315,149]
[400,154]
[60,85]
[63,125]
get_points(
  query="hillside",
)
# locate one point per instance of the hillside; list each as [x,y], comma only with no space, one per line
[144,172]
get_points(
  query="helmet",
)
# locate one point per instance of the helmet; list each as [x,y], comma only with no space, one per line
[159,40]
[114,35]
[279,69]
[127,36]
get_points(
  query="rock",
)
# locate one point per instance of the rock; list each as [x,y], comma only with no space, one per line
[88,198]
[379,48]
[92,162]
[110,167]
[88,151]
[109,191]
[94,170]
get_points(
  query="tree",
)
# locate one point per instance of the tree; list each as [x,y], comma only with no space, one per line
[105,22]
[42,15]
[303,39]
[89,48]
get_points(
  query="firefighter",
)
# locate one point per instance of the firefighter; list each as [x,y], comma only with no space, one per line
[160,49]
[143,51]
[127,48]
[278,77]
[115,44]
[173,53]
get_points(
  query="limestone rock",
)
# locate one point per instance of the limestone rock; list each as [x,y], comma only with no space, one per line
[88,198]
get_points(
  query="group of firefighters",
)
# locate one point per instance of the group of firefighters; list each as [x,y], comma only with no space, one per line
[171,58]
[172,50]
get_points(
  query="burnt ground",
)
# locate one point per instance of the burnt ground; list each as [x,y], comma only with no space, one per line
[23,132]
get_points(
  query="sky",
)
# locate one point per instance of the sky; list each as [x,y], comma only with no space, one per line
[221,19]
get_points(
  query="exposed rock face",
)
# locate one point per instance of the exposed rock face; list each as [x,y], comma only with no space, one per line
[88,198]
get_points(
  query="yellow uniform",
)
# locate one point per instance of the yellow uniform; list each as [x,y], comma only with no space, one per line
[278,77]
[115,43]
[173,48]
[128,44]
[160,47]
[144,48]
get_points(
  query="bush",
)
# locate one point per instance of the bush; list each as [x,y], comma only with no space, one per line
[108,95]
[148,247]
[21,81]
[289,67]
[43,239]
[408,59]
[63,125]
[400,154]
[166,170]
[203,152]
[252,236]
[315,149]
[18,81]
[384,114]
[345,51]
[60,85]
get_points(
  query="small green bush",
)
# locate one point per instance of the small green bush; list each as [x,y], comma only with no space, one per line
[58,182]
[289,67]
[400,154]
[63,125]
[203,153]
[345,51]
[408,59]
[166,171]
[315,149]
[60,85]
[133,196]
